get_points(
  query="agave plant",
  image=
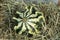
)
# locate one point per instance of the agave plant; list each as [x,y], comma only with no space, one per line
[28,21]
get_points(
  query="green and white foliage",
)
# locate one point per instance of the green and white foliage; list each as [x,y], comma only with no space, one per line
[29,20]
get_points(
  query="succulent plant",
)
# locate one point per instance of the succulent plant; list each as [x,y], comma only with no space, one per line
[29,20]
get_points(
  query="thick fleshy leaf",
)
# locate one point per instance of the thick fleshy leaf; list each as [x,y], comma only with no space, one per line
[17,19]
[20,14]
[19,25]
[23,28]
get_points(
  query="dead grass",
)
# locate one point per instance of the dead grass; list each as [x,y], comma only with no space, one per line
[49,31]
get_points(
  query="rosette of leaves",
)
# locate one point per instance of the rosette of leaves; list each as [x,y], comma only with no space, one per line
[28,21]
